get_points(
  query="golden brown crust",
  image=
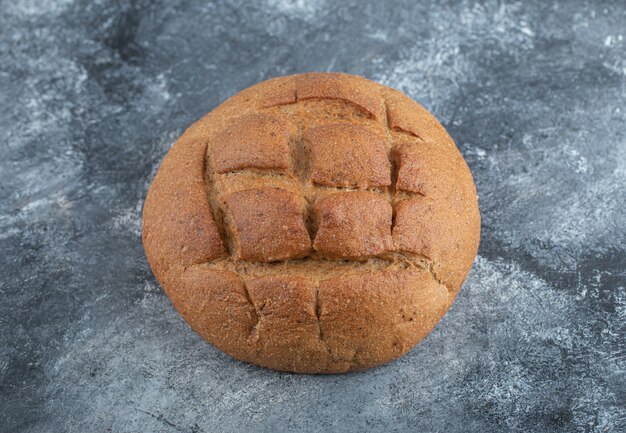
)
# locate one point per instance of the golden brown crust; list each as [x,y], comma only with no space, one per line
[254,140]
[288,323]
[426,169]
[369,318]
[216,306]
[405,115]
[268,225]
[348,155]
[178,227]
[313,223]
[352,89]
[353,225]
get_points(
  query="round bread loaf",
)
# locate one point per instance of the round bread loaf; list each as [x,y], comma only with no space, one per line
[317,223]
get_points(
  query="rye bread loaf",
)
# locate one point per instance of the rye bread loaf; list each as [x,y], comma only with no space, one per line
[316,223]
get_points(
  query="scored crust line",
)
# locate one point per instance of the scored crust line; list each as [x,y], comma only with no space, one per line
[301,163]
[397,129]
[318,312]
[385,261]
[255,314]
[214,206]
[391,190]
[258,171]
[395,196]
[428,265]
[318,316]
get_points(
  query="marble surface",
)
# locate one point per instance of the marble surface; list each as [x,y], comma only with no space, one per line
[92,95]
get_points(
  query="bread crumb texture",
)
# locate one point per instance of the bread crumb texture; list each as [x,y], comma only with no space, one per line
[316,223]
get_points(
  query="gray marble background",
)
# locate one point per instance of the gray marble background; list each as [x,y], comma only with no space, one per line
[92,95]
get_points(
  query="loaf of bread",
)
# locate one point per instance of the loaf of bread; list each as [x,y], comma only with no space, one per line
[316,223]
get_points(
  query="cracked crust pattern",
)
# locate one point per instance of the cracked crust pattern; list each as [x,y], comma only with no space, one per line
[316,223]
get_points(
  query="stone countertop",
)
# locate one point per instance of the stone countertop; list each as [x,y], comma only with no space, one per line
[93,94]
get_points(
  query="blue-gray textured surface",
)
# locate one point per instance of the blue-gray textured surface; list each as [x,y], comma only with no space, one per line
[93,94]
